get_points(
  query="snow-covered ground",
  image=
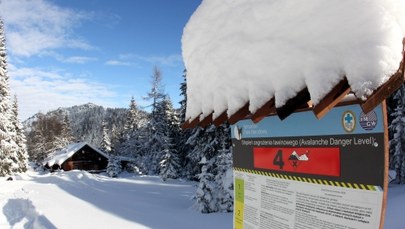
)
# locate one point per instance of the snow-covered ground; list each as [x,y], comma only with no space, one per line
[79,199]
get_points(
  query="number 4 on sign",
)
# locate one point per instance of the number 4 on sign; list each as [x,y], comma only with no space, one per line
[278,159]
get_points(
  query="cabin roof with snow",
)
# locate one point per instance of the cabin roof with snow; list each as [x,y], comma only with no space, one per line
[256,58]
[59,157]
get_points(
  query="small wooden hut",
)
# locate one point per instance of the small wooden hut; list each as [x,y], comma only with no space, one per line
[80,156]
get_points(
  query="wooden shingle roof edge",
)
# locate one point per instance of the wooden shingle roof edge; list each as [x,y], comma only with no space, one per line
[302,101]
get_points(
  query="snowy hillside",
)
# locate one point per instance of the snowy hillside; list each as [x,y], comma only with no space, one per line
[86,120]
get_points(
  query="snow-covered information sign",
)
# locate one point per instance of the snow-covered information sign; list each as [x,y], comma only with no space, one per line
[305,173]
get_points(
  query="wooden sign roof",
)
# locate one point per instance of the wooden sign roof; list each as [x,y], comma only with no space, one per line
[302,101]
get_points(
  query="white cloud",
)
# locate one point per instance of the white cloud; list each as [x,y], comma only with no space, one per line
[171,60]
[79,59]
[40,90]
[118,63]
[71,59]
[35,26]
[129,59]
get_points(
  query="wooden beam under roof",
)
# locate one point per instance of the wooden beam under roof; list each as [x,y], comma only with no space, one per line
[267,109]
[332,98]
[383,92]
[206,121]
[220,119]
[242,113]
[298,102]
[388,87]
[185,125]
[191,124]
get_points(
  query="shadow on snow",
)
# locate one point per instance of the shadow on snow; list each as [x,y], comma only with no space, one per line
[17,210]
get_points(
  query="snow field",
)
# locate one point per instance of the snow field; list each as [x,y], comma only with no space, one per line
[78,199]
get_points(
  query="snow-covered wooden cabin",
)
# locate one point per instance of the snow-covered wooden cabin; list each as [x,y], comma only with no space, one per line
[79,155]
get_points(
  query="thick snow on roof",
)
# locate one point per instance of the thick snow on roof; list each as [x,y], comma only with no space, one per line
[251,51]
[62,155]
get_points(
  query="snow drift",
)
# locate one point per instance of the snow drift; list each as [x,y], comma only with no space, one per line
[251,51]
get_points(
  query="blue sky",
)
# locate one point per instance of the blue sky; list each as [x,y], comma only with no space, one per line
[63,53]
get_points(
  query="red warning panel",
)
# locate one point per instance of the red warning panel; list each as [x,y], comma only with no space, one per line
[318,161]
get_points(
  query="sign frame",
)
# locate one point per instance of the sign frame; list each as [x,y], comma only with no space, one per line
[262,148]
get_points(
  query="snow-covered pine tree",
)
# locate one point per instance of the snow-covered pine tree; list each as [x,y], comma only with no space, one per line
[105,144]
[132,122]
[156,93]
[209,143]
[156,127]
[115,135]
[170,163]
[397,143]
[206,191]
[129,139]
[202,143]
[224,179]
[183,102]
[184,134]
[114,166]
[8,147]
[173,122]
[192,154]
[158,140]
[143,154]
[20,140]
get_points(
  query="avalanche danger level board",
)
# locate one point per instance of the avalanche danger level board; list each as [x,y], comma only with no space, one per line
[305,173]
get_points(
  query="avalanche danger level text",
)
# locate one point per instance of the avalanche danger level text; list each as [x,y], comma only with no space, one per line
[331,141]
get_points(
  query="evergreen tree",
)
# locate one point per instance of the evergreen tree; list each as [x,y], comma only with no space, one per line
[157,141]
[213,145]
[205,194]
[8,147]
[114,139]
[156,93]
[105,144]
[224,180]
[114,166]
[129,142]
[132,122]
[192,154]
[185,141]
[202,143]
[397,143]
[157,126]
[20,140]
[183,102]
[170,164]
